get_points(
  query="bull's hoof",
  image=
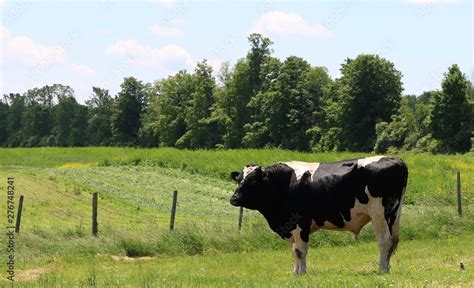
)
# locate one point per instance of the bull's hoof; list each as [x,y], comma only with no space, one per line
[300,272]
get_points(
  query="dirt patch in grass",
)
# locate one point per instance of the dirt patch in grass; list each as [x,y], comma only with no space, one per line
[31,274]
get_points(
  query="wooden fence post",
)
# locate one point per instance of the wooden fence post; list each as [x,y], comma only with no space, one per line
[94,214]
[241,215]
[459,193]
[173,209]
[18,215]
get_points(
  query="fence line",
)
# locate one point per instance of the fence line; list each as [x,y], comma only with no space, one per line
[117,218]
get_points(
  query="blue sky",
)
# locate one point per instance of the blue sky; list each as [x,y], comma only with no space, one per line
[97,43]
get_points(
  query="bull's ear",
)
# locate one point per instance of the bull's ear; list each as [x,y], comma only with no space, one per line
[235,176]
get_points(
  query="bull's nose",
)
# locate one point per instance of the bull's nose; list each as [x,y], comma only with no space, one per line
[233,201]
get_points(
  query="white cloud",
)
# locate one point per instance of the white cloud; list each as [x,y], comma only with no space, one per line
[167,3]
[287,24]
[216,64]
[140,54]
[28,51]
[431,2]
[130,46]
[82,69]
[166,31]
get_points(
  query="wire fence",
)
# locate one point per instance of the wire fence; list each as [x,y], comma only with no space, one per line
[104,216]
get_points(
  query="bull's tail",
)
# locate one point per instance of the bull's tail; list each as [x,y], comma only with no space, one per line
[395,226]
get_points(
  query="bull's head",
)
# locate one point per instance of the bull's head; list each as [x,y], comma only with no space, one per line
[252,187]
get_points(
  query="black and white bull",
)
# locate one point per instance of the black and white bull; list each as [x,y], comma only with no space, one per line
[299,198]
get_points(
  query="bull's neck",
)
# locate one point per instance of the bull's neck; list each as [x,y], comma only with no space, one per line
[277,212]
[276,208]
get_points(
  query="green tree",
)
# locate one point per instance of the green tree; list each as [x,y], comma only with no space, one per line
[48,95]
[36,125]
[317,83]
[368,92]
[37,118]
[471,102]
[470,87]
[291,106]
[78,133]
[3,123]
[243,83]
[451,114]
[100,108]
[200,133]
[165,118]
[327,134]
[287,106]
[70,123]
[16,109]
[257,57]
[257,132]
[233,103]
[222,108]
[409,128]
[126,112]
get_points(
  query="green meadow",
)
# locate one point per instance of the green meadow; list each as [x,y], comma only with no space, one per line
[135,248]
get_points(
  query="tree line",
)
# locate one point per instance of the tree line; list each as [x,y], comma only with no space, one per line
[261,101]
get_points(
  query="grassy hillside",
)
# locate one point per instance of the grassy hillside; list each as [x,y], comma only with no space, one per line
[417,263]
[135,189]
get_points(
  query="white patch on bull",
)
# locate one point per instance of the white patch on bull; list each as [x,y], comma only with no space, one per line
[301,167]
[248,170]
[374,207]
[366,161]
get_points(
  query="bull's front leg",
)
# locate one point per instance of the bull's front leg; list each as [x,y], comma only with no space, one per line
[300,250]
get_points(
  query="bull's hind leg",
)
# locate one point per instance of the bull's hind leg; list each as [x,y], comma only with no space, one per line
[384,239]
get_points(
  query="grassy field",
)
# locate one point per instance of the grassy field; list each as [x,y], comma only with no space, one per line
[135,189]
[420,263]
